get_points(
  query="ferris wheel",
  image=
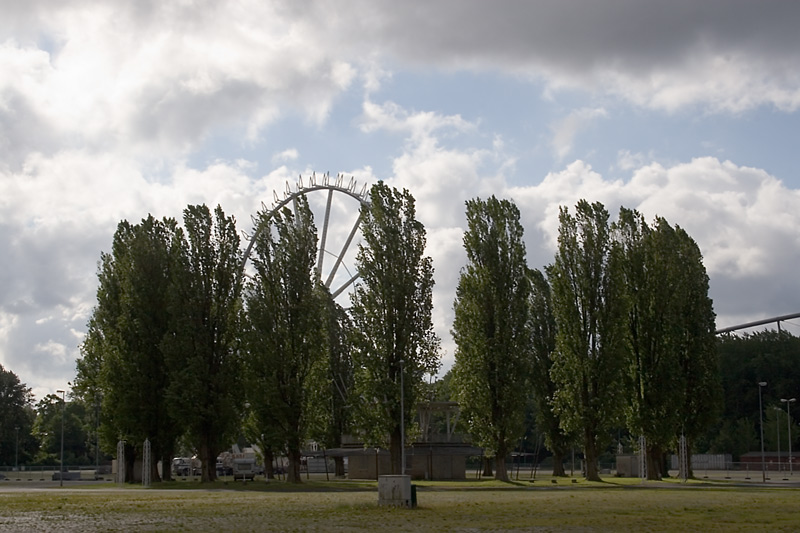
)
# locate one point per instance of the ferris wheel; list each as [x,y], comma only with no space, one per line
[337,203]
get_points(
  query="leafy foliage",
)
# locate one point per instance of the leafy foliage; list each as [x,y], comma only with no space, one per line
[589,307]
[203,347]
[670,325]
[15,417]
[491,328]
[543,344]
[391,311]
[123,362]
[286,344]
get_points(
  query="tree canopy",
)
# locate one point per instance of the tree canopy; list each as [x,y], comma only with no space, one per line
[286,343]
[589,306]
[391,312]
[491,329]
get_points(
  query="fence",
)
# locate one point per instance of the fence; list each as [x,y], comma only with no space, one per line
[50,473]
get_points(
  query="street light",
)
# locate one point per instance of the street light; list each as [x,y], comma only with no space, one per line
[789,423]
[402,423]
[761,421]
[778,433]
[63,409]
[16,451]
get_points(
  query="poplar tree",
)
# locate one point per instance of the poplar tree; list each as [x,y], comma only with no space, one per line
[286,344]
[123,360]
[543,344]
[392,326]
[589,306]
[491,330]
[203,347]
[670,335]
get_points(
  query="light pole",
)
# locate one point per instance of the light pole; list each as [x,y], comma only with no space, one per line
[61,465]
[16,451]
[778,433]
[789,424]
[761,421]
[402,423]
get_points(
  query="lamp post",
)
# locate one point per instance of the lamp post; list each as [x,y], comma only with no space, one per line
[16,451]
[402,422]
[789,424]
[778,412]
[761,423]
[61,465]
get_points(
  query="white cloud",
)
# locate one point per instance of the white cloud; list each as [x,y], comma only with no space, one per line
[289,154]
[566,129]
[103,108]
[743,219]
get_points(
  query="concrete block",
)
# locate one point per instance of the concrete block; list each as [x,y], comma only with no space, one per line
[394,490]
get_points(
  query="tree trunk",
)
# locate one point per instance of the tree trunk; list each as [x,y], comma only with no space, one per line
[208,464]
[338,466]
[130,461]
[487,466]
[500,472]
[293,475]
[154,477]
[653,463]
[590,456]
[665,464]
[166,467]
[269,458]
[558,465]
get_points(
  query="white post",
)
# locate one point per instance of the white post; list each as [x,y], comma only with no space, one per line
[789,424]
[63,411]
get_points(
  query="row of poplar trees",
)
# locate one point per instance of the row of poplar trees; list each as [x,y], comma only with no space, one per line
[183,349]
[617,332]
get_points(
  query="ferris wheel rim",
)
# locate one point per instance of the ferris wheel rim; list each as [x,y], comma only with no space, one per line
[261,220]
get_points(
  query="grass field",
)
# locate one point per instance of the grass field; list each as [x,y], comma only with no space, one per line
[352,506]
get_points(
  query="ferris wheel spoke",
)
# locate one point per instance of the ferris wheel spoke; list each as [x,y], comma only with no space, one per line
[342,253]
[324,234]
[341,289]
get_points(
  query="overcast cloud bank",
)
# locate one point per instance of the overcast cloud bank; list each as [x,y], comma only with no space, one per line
[112,111]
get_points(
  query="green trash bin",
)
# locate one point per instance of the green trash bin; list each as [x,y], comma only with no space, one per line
[413,496]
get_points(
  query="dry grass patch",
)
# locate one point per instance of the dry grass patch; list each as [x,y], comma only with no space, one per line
[459,508]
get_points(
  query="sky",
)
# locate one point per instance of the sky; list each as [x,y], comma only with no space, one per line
[115,110]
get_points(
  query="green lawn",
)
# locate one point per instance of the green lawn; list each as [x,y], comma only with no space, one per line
[352,506]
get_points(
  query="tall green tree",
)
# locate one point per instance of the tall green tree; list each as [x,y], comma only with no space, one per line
[391,311]
[491,329]
[335,420]
[286,344]
[670,322]
[15,421]
[698,358]
[543,345]
[203,348]
[589,306]
[653,271]
[123,362]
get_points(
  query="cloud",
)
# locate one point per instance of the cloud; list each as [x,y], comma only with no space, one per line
[726,56]
[105,109]
[161,77]
[566,129]
[742,218]
[290,154]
